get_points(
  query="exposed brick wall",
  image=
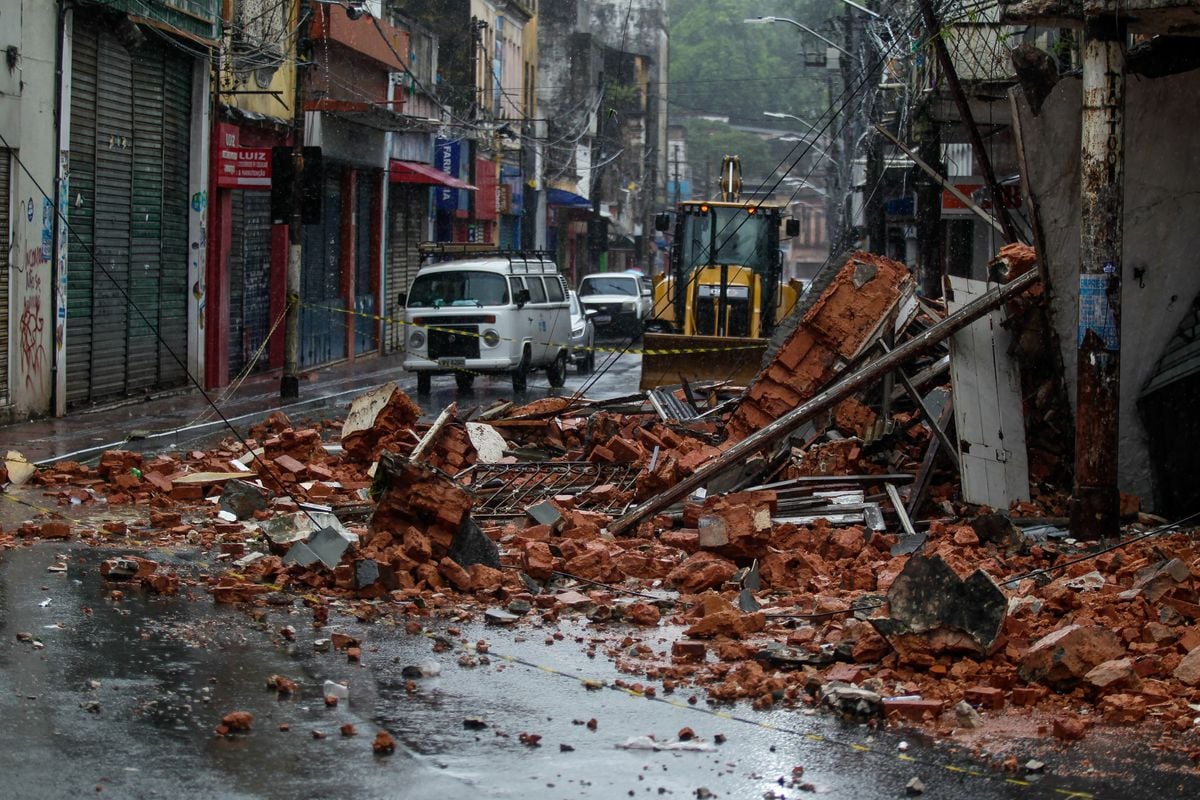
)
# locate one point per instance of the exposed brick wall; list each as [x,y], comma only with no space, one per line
[834,330]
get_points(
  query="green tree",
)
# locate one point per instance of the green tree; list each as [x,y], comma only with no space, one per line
[720,65]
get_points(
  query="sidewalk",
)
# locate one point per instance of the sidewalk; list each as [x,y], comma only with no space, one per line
[174,420]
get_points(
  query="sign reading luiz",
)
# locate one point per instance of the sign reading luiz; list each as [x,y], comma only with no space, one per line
[241,167]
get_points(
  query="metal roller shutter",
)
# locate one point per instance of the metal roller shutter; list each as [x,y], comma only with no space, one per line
[5,201]
[406,210]
[128,250]
[249,278]
[365,328]
[322,329]
[82,213]
[114,178]
[173,286]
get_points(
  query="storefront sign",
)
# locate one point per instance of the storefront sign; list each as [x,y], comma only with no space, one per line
[447,158]
[241,167]
[953,207]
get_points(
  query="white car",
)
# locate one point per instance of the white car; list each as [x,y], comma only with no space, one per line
[621,300]
[583,336]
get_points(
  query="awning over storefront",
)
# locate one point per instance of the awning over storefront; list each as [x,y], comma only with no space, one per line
[427,174]
[565,199]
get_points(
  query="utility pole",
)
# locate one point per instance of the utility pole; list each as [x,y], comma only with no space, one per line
[289,383]
[928,139]
[1095,502]
[873,215]
[843,237]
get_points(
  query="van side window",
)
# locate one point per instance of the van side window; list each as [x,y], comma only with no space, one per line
[537,293]
[554,289]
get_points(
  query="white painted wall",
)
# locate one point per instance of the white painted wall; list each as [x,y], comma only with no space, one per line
[27,99]
[1162,204]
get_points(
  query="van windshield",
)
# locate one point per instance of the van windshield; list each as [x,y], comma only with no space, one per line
[595,285]
[465,288]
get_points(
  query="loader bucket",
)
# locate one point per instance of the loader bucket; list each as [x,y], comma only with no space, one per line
[671,358]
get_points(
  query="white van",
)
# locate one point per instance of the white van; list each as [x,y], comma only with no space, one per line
[488,312]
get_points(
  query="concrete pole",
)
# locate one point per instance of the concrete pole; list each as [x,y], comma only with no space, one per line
[289,382]
[1095,506]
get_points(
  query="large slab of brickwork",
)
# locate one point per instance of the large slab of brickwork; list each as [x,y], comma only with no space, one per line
[835,329]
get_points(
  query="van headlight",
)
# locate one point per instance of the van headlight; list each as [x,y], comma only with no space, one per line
[491,338]
[417,339]
[628,306]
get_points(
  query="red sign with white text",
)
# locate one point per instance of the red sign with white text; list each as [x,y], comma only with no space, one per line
[241,167]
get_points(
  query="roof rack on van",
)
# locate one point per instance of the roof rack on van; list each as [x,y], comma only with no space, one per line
[519,260]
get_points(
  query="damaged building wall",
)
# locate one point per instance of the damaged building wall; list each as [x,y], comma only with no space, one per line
[1161,206]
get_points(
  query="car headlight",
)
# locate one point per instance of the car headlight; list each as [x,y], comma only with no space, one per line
[491,338]
[577,331]
[628,306]
[417,339]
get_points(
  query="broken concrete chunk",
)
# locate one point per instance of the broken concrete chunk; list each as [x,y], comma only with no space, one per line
[1062,659]
[487,441]
[1088,582]
[328,544]
[498,616]
[300,554]
[966,716]
[545,514]
[851,701]
[300,525]
[934,611]
[19,468]
[1188,671]
[242,498]
[471,546]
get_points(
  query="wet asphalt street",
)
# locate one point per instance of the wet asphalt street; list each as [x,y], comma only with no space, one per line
[120,700]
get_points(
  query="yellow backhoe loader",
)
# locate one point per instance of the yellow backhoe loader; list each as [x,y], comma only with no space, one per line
[716,307]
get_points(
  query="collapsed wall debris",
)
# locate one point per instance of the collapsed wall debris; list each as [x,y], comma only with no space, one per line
[812,552]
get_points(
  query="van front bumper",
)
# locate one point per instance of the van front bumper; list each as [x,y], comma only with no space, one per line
[473,364]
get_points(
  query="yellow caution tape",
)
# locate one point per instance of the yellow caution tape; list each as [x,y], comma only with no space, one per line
[669,351]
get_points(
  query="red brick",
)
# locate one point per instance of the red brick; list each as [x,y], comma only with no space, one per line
[1026,695]
[985,697]
[912,709]
[687,651]
[289,464]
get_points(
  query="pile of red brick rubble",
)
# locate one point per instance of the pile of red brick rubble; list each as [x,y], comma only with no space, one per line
[745,592]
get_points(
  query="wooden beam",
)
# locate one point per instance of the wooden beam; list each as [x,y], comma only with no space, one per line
[848,385]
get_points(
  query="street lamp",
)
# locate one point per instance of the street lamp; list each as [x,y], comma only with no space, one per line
[805,28]
[812,145]
[782,115]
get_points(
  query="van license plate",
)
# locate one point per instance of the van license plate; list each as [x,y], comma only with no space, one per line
[602,319]
[452,362]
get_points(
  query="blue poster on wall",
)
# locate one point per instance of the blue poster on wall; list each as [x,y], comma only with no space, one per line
[448,157]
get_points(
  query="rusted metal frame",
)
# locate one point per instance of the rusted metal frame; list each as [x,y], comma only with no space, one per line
[1095,502]
[932,26]
[925,412]
[827,398]
[921,484]
[525,484]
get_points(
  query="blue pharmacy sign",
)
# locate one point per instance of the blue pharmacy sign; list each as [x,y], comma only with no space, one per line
[448,158]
